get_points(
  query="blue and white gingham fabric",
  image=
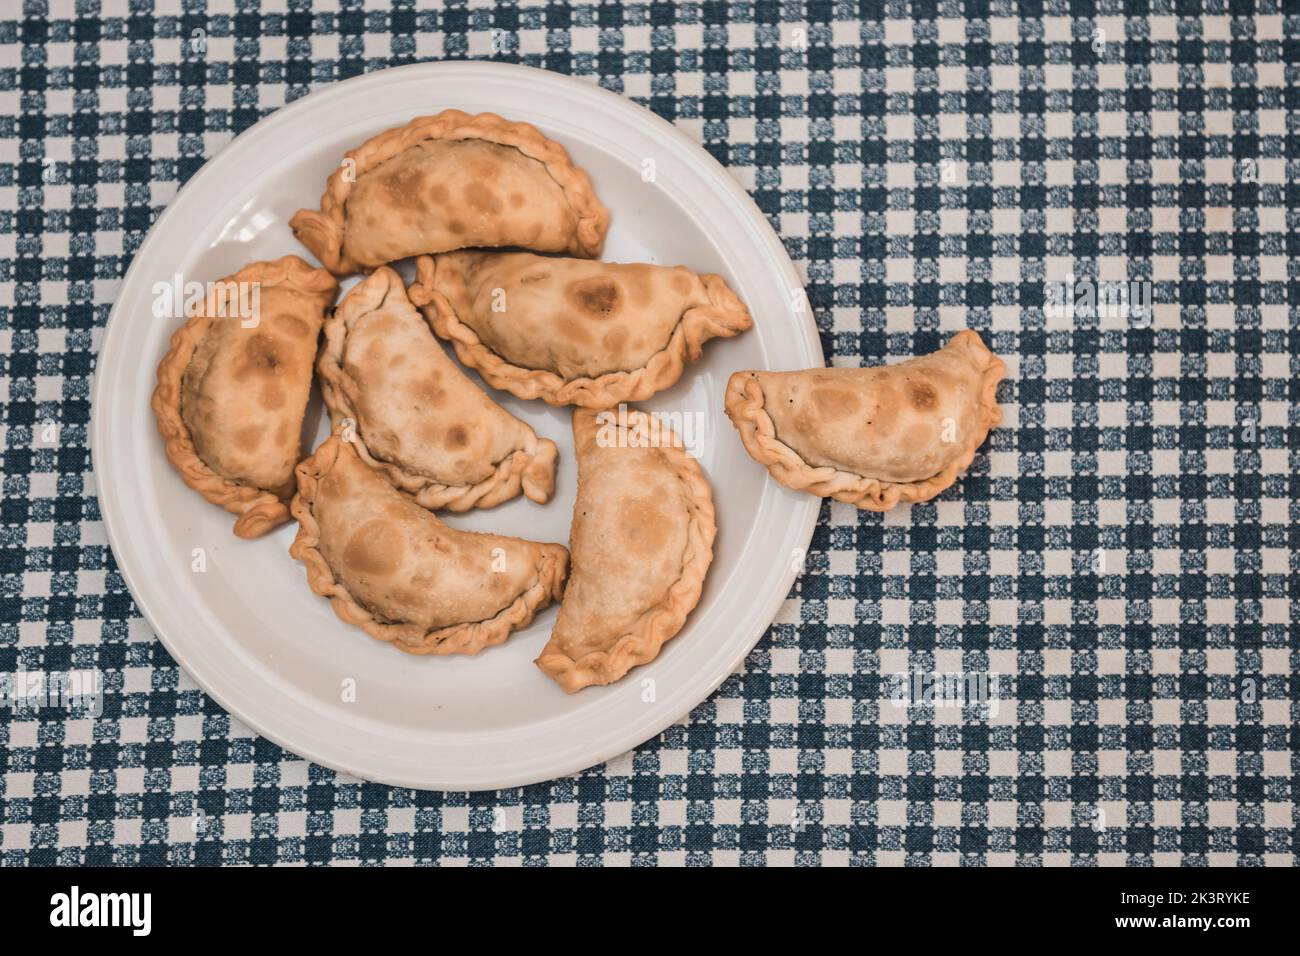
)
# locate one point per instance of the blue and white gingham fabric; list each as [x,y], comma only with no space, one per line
[1125,554]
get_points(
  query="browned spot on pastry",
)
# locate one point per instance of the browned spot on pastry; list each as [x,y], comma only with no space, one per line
[427,394]
[291,325]
[457,437]
[260,357]
[835,403]
[438,193]
[485,169]
[404,181]
[398,359]
[615,339]
[517,200]
[271,395]
[248,437]
[481,198]
[598,296]
[647,532]
[456,226]
[923,395]
[374,548]
[537,275]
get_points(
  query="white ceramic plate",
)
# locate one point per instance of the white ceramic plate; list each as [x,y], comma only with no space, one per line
[248,629]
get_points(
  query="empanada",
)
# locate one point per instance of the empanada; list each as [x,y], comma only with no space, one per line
[452,181]
[401,575]
[573,331]
[233,388]
[417,417]
[641,541]
[872,437]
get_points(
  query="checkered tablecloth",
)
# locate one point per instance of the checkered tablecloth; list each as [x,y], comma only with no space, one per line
[1125,554]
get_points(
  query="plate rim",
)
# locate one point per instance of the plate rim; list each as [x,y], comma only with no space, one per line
[115,523]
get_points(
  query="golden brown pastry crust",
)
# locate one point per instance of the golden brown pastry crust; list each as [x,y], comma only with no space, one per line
[260,509]
[714,311]
[472,454]
[629,536]
[324,232]
[745,404]
[543,579]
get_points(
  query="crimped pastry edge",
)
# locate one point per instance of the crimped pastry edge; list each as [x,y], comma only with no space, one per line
[659,624]
[530,469]
[321,230]
[468,638]
[259,510]
[744,404]
[724,317]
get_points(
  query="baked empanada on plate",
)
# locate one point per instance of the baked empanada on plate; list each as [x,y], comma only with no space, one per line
[873,437]
[401,575]
[417,417]
[452,181]
[573,331]
[233,388]
[641,542]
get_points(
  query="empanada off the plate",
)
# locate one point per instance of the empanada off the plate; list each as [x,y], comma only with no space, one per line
[873,437]
[416,416]
[452,181]
[573,331]
[233,388]
[641,544]
[401,575]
